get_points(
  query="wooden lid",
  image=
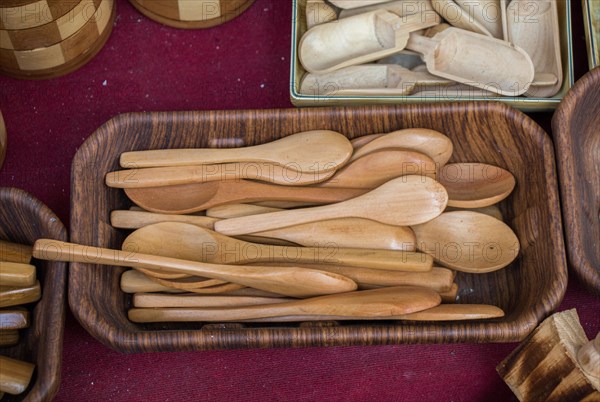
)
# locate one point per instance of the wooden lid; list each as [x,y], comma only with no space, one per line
[192,14]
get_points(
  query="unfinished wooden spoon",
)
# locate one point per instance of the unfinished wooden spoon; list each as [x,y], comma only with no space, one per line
[534,27]
[468,241]
[349,4]
[487,13]
[137,219]
[290,282]
[366,304]
[236,210]
[169,176]
[429,142]
[149,300]
[407,200]
[189,242]
[476,185]
[477,60]
[189,198]
[492,210]
[16,274]
[310,151]
[358,142]
[358,39]
[459,17]
[399,7]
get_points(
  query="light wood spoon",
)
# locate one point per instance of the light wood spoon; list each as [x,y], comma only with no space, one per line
[16,274]
[149,300]
[366,304]
[169,176]
[407,200]
[468,241]
[310,151]
[429,142]
[237,210]
[477,60]
[189,242]
[358,142]
[492,210]
[15,375]
[459,17]
[17,295]
[349,4]
[398,7]
[443,312]
[189,198]
[485,12]
[476,185]
[358,39]
[136,219]
[14,252]
[290,282]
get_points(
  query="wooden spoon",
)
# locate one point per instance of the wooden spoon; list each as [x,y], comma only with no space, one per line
[459,17]
[149,300]
[14,319]
[399,7]
[477,60]
[290,282]
[358,142]
[492,210]
[429,142]
[476,185]
[443,312]
[15,375]
[14,296]
[14,252]
[407,200]
[9,337]
[468,241]
[169,176]
[540,39]
[310,151]
[189,242]
[237,210]
[137,219]
[358,39]
[189,198]
[379,167]
[486,13]
[366,304]
[349,4]
[17,274]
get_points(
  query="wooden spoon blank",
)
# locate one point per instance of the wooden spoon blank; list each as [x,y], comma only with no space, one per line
[477,60]
[365,304]
[429,142]
[169,176]
[16,274]
[398,7]
[358,39]
[189,242]
[310,151]
[148,300]
[9,337]
[468,241]
[13,252]
[15,375]
[379,167]
[485,12]
[349,4]
[190,198]
[285,281]
[13,319]
[459,17]
[476,185]
[14,296]
[404,201]
[137,219]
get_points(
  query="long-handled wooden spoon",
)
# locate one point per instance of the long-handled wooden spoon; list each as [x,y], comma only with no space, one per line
[477,60]
[173,175]
[190,242]
[137,219]
[310,151]
[367,304]
[405,201]
[189,198]
[290,282]
[149,300]
[476,185]
[468,241]
[358,39]
[429,142]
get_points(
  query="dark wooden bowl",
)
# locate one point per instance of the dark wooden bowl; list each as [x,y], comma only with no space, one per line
[24,219]
[576,128]
[528,290]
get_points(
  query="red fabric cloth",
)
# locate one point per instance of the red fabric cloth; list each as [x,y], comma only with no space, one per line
[242,64]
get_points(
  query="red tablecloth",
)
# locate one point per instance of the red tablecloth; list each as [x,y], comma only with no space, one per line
[242,64]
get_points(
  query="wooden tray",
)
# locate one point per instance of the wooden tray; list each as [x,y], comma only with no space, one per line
[24,219]
[487,132]
[575,127]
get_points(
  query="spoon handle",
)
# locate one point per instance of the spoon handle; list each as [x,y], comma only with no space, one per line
[16,274]
[296,282]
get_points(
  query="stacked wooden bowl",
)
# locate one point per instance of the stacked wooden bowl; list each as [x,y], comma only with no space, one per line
[40,39]
[192,14]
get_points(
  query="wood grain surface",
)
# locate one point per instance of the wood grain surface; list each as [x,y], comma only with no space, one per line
[191,14]
[577,137]
[23,219]
[528,290]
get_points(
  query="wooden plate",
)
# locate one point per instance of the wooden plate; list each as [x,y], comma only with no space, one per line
[493,133]
[23,219]
[577,135]
[192,14]
[2,140]
[65,56]
[53,32]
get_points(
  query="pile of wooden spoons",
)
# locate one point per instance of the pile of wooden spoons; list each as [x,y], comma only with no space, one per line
[483,48]
[310,227]
[18,286]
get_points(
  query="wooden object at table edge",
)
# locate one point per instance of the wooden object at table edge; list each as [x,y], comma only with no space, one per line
[545,366]
[230,9]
